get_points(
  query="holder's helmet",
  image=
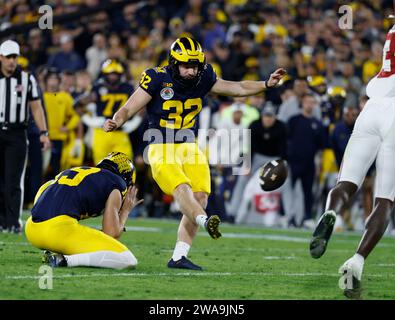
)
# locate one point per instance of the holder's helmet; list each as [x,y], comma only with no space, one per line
[120,164]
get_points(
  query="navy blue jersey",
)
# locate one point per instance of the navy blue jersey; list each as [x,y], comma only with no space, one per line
[306,136]
[172,108]
[111,99]
[79,192]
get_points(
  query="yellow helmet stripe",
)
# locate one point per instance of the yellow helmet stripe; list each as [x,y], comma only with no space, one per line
[192,44]
[185,55]
[183,49]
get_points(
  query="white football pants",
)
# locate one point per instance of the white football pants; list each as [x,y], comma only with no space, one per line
[373,138]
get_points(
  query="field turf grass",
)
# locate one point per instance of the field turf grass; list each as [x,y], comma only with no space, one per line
[247,263]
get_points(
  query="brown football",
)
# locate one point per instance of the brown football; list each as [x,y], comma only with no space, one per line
[273,174]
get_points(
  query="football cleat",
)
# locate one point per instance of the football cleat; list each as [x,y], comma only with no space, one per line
[183,263]
[350,281]
[322,234]
[211,226]
[54,259]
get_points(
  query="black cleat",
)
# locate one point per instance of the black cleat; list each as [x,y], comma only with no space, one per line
[322,234]
[54,259]
[183,263]
[211,226]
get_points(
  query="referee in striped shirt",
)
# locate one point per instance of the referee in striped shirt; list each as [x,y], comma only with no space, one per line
[18,91]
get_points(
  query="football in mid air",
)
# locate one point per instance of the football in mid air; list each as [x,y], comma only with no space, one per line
[273,174]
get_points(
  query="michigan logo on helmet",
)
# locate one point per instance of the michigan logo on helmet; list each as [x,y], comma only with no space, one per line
[187,51]
[112,66]
[120,164]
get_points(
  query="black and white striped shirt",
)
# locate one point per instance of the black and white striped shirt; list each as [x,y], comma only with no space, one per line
[15,93]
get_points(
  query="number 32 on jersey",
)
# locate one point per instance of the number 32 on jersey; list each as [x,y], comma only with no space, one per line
[177,119]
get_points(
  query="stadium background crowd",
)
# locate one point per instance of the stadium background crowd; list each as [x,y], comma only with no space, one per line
[316,105]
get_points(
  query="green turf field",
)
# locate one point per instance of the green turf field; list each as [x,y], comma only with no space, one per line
[246,263]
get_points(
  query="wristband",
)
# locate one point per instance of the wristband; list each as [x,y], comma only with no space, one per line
[44,133]
[267,86]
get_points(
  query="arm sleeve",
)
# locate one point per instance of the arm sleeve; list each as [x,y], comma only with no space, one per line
[33,89]
[149,81]
[209,77]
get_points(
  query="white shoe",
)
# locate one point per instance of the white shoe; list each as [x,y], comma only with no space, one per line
[350,281]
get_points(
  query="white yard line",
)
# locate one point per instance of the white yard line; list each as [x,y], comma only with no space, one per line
[385,265]
[23,243]
[279,257]
[193,274]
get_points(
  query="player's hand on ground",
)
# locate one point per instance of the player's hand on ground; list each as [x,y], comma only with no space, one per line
[131,199]
[109,125]
[276,76]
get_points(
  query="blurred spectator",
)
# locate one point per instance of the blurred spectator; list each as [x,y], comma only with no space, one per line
[292,99]
[67,58]
[115,48]
[268,142]
[61,119]
[342,132]
[226,59]
[83,84]
[249,113]
[37,53]
[266,59]
[306,136]
[372,66]
[96,55]
[67,82]
[226,147]
[215,30]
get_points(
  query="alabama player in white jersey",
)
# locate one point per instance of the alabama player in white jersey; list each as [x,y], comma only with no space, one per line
[373,139]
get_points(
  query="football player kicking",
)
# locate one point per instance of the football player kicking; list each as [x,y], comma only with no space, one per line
[373,138]
[80,193]
[173,98]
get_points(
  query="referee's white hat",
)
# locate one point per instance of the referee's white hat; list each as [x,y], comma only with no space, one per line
[9,47]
